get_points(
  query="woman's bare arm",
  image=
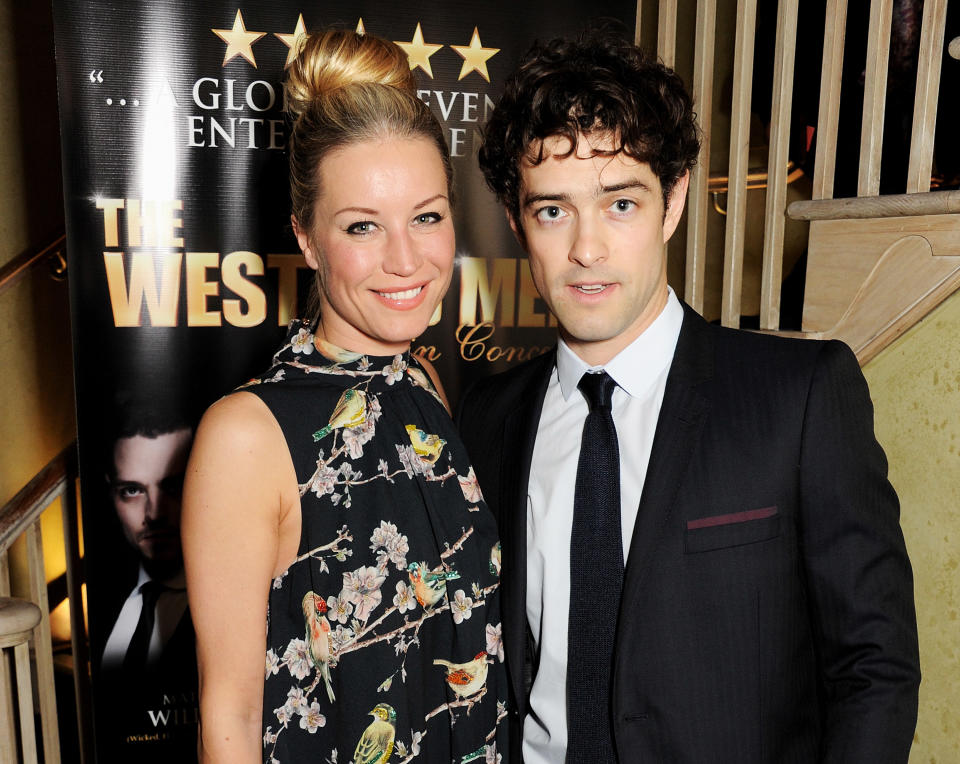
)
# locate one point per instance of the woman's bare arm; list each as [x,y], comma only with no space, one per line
[236,497]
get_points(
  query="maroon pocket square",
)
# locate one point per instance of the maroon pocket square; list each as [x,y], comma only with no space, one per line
[731,519]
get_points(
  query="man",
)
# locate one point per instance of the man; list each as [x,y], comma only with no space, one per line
[148,460]
[704,563]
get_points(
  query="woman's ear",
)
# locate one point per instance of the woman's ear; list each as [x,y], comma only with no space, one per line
[304,241]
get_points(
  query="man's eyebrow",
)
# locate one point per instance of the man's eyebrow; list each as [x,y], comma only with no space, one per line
[624,186]
[531,199]
[633,183]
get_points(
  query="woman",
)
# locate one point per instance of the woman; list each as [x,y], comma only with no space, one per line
[332,522]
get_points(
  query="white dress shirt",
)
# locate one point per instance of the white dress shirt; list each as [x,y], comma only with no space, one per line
[640,371]
[170,608]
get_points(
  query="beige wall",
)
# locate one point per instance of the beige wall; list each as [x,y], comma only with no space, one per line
[36,373]
[915,385]
[36,397]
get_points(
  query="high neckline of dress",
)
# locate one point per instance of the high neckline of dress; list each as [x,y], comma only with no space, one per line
[304,350]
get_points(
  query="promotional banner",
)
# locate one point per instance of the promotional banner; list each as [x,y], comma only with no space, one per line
[184,272]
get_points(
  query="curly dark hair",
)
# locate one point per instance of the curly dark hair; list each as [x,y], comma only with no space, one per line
[597,83]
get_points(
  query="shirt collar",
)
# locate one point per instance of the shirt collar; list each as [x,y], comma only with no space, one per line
[177,582]
[639,365]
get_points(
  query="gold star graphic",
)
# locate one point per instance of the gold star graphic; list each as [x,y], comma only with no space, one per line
[475,57]
[419,52]
[294,41]
[360,28]
[239,41]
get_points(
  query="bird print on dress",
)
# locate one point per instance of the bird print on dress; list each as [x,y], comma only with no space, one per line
[427,447]
[350,411]
[429,586]
[496,559]
[318,638]
[466,679]
[485,753]
[376,742]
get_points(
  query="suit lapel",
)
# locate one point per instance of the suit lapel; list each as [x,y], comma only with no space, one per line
[519,435]
[685,406]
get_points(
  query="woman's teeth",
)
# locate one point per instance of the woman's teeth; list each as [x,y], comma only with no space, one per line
[407,294]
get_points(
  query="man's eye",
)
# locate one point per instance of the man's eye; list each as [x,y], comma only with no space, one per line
[623,205]
[551,212]
[172,485]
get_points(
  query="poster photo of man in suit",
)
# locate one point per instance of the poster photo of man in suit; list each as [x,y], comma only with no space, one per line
[702,556]
[147,464]
[143,644]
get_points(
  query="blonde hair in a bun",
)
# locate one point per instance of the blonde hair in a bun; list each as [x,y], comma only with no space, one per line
[343,88]
[336,58]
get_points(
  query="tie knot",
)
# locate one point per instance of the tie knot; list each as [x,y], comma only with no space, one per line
[151,591]
[597,389]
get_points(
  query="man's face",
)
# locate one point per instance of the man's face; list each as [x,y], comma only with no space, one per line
[146,492]
[595,230]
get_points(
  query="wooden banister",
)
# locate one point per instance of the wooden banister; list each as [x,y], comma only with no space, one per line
[21,517]
[22,510]
[887,206]
[17,268]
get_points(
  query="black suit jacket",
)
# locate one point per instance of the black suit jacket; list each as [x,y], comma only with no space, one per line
[767,611]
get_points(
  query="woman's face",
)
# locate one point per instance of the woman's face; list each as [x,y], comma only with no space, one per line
[382,242]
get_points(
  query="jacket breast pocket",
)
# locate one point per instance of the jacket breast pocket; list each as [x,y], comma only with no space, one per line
[720,531]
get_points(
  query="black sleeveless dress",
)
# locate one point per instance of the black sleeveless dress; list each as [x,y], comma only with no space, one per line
[383,636]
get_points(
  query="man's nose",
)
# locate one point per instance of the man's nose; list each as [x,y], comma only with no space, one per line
[588,246]
[158,506]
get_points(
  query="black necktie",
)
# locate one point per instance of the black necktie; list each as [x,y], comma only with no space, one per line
[136,657]
[596,578]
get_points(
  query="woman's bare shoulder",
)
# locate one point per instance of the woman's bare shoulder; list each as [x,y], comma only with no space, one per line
[238,409]
[239,437]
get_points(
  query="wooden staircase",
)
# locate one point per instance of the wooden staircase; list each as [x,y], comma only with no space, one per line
[876,264]
[874,269]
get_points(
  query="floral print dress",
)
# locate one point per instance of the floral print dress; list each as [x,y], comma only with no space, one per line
[383,636]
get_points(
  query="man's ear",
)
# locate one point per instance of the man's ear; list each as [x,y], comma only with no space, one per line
[678,197]
[304,241]
[517,230]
